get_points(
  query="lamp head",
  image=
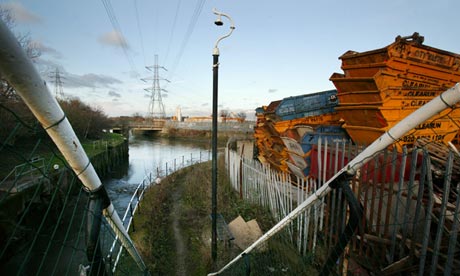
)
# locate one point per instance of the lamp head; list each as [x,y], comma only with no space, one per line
[218,21]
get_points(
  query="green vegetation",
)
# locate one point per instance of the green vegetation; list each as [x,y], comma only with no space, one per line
[24,139]
[186,197]
[42,147]
[87,121]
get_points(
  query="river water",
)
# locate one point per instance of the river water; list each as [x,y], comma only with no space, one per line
[151,154]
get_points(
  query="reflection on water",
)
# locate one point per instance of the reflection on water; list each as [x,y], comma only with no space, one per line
[148,154]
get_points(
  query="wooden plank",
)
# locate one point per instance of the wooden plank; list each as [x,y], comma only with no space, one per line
[398,266]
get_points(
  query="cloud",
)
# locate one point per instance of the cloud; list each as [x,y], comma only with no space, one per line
[45,49]
[114,94]
[114,39]
[46,66]
[272,90]
[20,14]
[133,74]
[89,80]
[205,104]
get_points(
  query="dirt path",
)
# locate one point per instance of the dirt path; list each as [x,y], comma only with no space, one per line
[181,268]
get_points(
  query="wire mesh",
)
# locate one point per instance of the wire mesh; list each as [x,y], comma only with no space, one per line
[39,217]
[43,207]
[44,210]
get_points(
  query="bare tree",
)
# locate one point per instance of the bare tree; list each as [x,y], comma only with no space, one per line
[11,105]
[224,113]
[242,116]
[88,122]
[6,91]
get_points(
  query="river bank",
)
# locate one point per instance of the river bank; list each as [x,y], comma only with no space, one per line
[203,130]
[174,227]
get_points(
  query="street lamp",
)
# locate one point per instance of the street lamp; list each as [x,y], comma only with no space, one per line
[215,70]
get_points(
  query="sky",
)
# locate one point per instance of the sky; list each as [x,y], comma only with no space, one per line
[278,48]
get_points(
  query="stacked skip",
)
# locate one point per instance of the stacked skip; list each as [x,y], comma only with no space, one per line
[286,130]
[381,87]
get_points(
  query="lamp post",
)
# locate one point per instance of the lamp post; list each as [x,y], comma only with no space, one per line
[215,71]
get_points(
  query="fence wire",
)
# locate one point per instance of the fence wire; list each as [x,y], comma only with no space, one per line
[409,202]
[44,209]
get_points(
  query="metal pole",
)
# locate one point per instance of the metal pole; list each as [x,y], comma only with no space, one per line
[215,71]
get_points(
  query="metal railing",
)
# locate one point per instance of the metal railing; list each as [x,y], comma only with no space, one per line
[23,176]
[408,216]
[152,178]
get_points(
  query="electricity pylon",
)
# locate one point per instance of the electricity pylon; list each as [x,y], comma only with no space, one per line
[156,106]
[58,91]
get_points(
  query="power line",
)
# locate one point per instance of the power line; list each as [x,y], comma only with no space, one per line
[116,26]
[155,29]
[188,33]
[139,29]
[173,29]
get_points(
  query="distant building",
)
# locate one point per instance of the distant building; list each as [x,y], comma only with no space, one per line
[198,119]
[209,119]
[178,114]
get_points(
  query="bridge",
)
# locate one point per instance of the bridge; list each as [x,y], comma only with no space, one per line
[140,125]
[152,124]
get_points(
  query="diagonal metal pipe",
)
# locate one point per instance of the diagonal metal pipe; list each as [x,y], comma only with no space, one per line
[18,70]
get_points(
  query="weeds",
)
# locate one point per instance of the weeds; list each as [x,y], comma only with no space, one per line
[193,184]
[154,236]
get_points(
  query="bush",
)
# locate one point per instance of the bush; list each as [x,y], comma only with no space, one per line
[88,122]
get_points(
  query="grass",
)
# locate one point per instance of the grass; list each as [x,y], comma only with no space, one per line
[155,240]
[25,149]
[154,236]
[153,233]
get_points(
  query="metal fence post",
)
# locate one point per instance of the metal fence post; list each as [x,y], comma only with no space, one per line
[132,216]
[442,217]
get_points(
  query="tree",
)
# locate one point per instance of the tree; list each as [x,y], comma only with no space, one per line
[12,107]
[224,113]
[7,92]
[88,122]
[242,116]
